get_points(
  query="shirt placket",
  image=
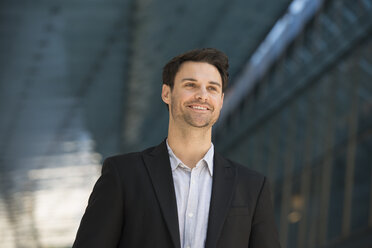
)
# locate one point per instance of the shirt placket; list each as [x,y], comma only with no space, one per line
[192,204]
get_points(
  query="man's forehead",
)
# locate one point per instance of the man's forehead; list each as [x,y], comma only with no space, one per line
[192,69]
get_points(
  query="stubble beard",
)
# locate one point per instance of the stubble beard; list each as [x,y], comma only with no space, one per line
[194,121]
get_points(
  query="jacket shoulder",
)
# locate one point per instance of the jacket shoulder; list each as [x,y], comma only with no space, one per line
[128,159]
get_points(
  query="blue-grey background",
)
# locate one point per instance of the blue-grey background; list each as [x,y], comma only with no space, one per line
[81,80]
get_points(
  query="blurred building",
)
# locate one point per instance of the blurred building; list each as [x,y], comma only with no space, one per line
[307,124]
[81,80]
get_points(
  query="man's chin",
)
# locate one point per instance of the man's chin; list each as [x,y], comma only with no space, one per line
[199,124]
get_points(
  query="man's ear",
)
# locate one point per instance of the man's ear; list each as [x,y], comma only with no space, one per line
[223,96]
[165,93]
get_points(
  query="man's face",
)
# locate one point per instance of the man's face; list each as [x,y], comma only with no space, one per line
[196,98]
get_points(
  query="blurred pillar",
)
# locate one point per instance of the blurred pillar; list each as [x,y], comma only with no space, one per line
[328,159]
[288,175]
[314,211]
[351,149]
[273,157]
[306,171]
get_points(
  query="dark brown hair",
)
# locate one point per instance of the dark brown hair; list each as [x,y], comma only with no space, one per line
[209,55]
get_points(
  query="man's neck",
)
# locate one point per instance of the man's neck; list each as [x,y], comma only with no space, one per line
[189,146]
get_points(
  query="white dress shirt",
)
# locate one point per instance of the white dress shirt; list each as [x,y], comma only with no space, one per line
[193,189]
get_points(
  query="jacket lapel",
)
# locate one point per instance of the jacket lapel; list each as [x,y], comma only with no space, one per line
[158,166]
[222,192]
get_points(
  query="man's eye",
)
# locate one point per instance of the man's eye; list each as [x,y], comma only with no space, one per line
[190,85]
[213,88]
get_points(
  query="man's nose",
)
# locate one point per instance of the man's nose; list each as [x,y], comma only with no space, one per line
[202,94]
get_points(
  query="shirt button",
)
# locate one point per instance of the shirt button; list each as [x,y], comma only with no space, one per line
[188,246]
[191,215]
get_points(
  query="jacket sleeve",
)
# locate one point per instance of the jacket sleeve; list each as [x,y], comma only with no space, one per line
[264,232]
[102,223]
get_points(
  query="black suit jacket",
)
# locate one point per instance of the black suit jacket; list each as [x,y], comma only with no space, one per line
[133,204]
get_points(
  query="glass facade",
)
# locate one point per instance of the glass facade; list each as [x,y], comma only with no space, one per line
[308,127]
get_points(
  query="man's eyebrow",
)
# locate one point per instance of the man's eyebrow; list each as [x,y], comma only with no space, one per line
[194,80]
[215,83]
[188,79]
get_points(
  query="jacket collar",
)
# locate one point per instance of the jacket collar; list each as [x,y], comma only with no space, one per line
[224,174]
[158,166]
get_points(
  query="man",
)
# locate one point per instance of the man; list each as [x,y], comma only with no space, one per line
[181,193]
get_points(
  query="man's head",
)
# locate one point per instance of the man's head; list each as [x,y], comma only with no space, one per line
[193,87]
[209,55]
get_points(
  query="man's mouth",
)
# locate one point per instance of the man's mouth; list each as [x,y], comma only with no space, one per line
[198,107]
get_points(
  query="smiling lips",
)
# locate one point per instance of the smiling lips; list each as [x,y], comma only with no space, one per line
[199,107]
